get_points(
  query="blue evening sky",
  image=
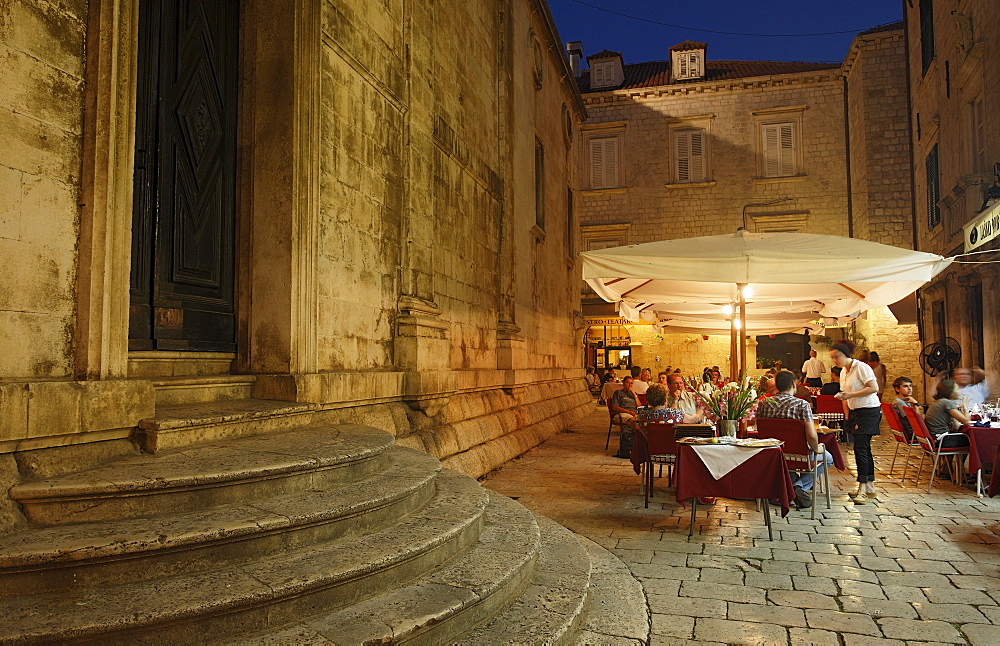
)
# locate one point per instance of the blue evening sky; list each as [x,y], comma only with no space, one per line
[643,41]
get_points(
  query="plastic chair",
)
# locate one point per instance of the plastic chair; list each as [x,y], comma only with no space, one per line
[898,432]
[661,448]
[930,445]
[798,455]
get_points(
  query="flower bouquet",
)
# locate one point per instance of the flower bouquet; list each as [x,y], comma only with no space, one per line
[728,405]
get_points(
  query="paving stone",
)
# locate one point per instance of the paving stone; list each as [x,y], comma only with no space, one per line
[841,572]
[792,555]
[982,634]
[813,636]
[861,589]
[903,593]
[672,625]
[800,599]
[677,559]
[715,575]
[865,640]
[877,607]
[651,571]
[954,613]
[992,613]
[815,584]
[922,565]
[739,632]
[848,622]
[920,630]
[781,615]
[879,564]
[914,579]
[687,606]
[784,567]
[975,582]
[738,593]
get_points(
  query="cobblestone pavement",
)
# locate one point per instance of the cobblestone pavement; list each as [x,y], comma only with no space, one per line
[916,568]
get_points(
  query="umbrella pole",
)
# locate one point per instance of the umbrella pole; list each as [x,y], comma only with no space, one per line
[743,327]
[734,369]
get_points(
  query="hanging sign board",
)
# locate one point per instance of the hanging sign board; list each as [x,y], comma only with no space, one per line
[983,229]
[607,320]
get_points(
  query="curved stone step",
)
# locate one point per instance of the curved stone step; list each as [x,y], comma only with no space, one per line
[617,609]
[207,475]
[252,597]
[551,608]
[442,605]
[60,558]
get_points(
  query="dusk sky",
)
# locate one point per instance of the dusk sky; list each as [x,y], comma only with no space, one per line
[640,41]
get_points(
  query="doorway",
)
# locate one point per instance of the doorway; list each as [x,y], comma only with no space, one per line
[182,280]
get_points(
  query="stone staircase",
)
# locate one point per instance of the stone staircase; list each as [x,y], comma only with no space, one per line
[310,532]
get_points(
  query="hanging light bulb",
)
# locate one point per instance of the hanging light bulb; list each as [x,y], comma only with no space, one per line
[737,323]
[727,309]
[747,291]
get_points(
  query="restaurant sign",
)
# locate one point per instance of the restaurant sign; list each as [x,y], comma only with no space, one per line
[608,320]
[983,229]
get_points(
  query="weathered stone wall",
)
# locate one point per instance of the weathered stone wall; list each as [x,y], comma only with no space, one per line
[41,107]
[658,212]
[689,352]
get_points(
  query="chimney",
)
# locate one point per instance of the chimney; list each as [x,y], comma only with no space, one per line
[575,52]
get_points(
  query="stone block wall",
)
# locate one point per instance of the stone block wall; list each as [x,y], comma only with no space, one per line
[41,108]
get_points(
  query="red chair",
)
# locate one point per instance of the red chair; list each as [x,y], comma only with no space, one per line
[661,448]
[898,432]
[798,455]
[641,397]
[829,409]
[930,445]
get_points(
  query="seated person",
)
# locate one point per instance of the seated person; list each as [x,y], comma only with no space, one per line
[608,376]
[679,397]
[801,390]
[591,377]
[768,387]
[662,378]
[973,387]
[785,405]
[904,399]
[945,413]
[641,384]
[833,387]
[656,409]
[624,404]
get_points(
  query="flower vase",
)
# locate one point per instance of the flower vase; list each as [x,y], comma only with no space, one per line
[727,427]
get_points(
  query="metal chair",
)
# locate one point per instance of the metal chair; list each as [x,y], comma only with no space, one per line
[611,424]
[931,445]
[798,454]
[892,418]
[661,448]
[830,410]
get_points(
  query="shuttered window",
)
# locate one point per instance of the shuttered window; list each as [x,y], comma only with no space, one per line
[933,188]
[780,149]
[690,163]
[926,33]
[604,162]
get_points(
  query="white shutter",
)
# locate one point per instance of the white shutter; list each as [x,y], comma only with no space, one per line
[604,162]
[598,76]
[682,69]
[779,149]
[689,156]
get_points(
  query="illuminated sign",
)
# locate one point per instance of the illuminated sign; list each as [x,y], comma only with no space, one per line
[983,229]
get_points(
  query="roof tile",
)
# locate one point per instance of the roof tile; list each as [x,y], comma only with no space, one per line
[656,73]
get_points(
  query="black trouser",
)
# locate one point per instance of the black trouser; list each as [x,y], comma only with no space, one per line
[865,422]
[814,382]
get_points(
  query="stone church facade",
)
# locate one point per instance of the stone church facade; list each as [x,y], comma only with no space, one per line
[358,208]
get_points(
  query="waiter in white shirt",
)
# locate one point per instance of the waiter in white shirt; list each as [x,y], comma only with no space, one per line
[813,369]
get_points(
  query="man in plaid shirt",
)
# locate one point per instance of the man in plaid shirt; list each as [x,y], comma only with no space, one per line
[785,405]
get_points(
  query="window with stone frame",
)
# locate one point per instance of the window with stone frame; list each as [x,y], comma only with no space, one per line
[689,65]
[933,179]
[779,148]
[539,185]
[602,74]
[926,33]
[690,155]
[604,157]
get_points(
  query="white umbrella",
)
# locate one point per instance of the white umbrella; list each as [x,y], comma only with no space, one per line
[788,275]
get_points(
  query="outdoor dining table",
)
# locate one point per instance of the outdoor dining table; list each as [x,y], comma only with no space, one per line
[763,477]
[609,388]
[983,445]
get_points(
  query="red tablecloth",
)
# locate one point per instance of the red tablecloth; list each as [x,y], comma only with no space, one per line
[765,475]
[983,444]
[829,440]
[638,455]
[994,479]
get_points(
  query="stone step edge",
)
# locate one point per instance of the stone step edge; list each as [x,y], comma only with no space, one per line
[170,417]
[552,607]
[91,483]
[441,605]
[617,608]
[408,471]
[247,595]
[190,381]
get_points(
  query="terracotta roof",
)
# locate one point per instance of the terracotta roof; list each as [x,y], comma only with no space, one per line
[654,73]
[886,27]
[607,53]
[688,45]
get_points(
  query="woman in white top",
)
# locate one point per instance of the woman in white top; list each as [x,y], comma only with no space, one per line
[859,388]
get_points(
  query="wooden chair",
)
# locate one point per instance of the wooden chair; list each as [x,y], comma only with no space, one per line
[641,398]
[661,448]
[898,432]
[611,424]
[798,455]
[930,445]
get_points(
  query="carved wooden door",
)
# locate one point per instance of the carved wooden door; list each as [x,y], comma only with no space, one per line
[183,233]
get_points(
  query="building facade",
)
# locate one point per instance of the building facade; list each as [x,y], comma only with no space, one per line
[364,208]
[691,146]
[952,53]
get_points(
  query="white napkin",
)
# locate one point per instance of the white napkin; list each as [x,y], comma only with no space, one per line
[720,459]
